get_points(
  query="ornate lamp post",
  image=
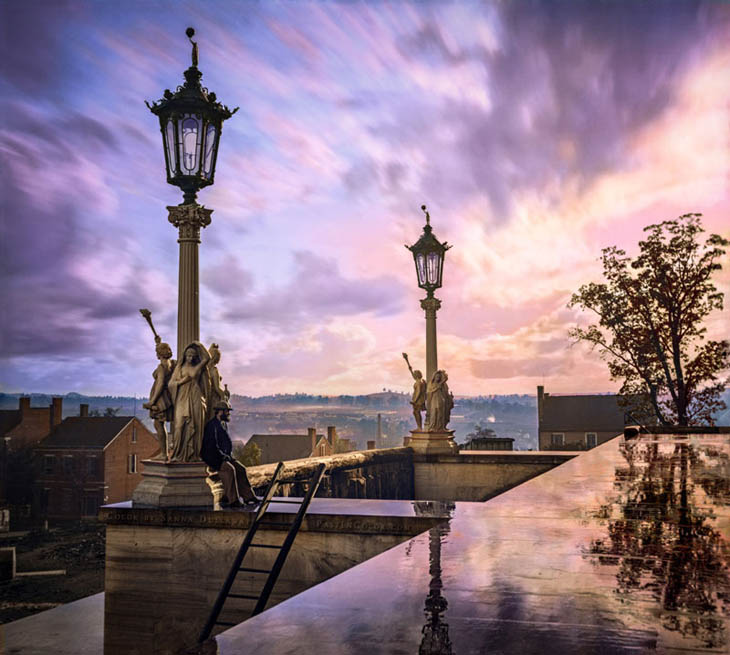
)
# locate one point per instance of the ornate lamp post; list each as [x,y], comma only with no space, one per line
[428,255]
[191,120]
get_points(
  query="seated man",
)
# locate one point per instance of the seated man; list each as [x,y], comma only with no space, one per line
[216,453]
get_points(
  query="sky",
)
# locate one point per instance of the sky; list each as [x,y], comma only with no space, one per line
[536,133]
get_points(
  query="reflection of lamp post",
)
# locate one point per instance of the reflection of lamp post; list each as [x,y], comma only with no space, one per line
[435,640]
[428,255]
[191,120]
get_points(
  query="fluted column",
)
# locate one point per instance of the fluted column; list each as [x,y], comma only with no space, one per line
[431,306]
[188,218]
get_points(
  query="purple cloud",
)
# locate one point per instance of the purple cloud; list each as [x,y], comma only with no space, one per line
[317,289]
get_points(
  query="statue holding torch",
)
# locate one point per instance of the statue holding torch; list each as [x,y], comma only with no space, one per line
[160,402]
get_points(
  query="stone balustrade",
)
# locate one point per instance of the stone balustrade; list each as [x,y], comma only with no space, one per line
[386,474]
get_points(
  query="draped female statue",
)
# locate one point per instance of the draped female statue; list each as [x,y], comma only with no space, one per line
[190,389]
[439,402]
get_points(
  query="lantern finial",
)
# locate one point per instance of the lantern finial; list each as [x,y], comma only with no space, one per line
[428,216]
[190,33]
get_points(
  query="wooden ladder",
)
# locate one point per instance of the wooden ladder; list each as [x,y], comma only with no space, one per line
[248,542]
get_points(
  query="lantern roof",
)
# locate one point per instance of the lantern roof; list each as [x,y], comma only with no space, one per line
[427,241]
[191,97]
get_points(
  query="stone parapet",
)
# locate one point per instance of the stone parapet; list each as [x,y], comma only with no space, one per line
[386,474]
[478,476]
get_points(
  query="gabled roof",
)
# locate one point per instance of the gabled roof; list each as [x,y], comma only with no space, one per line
[282,447]
[85,432]
[9,418]
[582,413]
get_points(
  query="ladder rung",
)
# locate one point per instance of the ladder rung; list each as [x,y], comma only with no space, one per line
[243,568]
[243,596]
[264,546]
[225,623]
[287,502]
[275,523]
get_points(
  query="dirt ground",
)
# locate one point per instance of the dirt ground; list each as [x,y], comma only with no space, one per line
[77,548]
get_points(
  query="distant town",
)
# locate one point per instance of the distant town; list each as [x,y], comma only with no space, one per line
[355,417]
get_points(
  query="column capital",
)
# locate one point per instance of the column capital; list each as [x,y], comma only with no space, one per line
[430,305]
[189,218]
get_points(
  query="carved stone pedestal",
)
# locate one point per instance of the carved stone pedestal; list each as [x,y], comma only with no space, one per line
[178,484]
[433,442]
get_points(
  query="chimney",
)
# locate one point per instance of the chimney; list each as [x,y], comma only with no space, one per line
[380,427]
[23,404]
[332,435]
[56,411]
[312,432]
[371,443]
[83,409]
[540,401]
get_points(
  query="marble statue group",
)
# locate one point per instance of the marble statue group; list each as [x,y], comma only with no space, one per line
[434,397]
[184,393]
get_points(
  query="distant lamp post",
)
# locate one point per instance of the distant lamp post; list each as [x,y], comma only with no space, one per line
[191,120]
[428,255]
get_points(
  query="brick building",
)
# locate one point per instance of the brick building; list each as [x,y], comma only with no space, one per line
[26,426]
[88,461]
[577,422]
[20,431]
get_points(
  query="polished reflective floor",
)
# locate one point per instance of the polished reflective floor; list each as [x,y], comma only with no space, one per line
[624,549]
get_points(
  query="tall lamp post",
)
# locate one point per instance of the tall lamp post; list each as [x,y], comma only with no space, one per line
[428,255]
[191,120]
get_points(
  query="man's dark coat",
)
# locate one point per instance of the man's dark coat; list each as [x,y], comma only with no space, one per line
[217,445]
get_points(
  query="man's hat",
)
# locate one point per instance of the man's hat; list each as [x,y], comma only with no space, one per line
[222,404]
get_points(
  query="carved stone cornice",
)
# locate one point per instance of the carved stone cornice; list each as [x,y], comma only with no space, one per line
[430,306]
[189,218]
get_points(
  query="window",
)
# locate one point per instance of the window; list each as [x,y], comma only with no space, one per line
[68,464]
[91,505]
[49,463]
[134,434]
[66,501]
[44,500]
[557,439]
[132,464]
[92,466]
[591,439]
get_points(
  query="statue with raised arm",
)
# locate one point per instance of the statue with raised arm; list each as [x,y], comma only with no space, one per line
[439,402]
[160,402]
[190,389]
[218,392]
[418,399]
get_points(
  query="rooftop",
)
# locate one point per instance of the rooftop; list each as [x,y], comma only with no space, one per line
[283,447]
[9,418]
[85,432]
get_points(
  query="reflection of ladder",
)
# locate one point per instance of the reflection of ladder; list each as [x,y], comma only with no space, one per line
[283,549]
